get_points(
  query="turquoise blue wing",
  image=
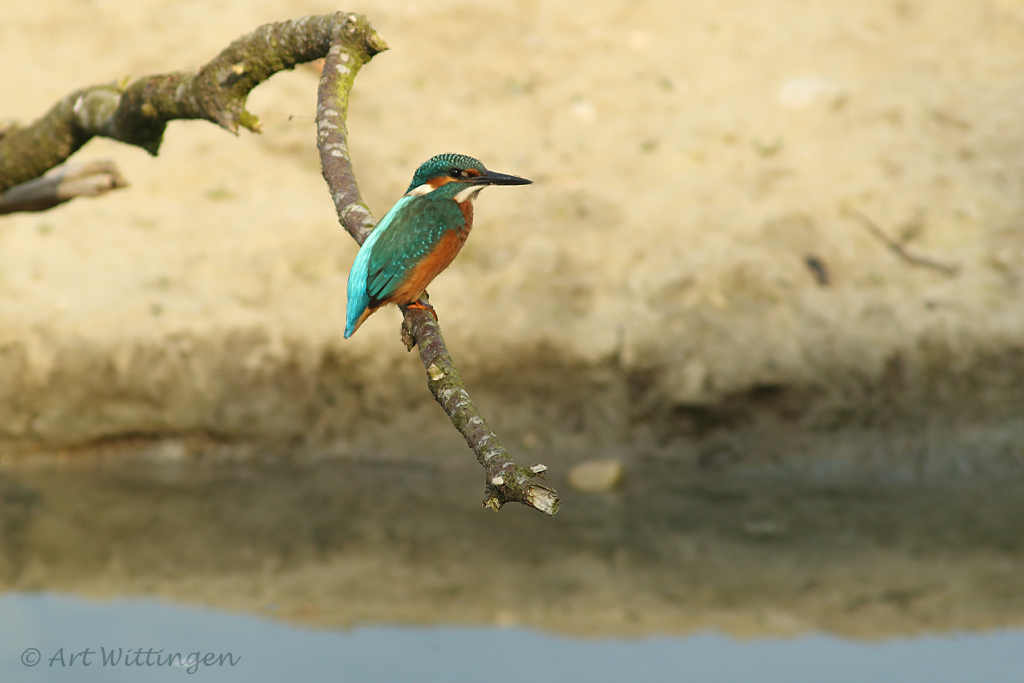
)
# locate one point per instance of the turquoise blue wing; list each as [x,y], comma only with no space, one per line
[358,297]
[406,242]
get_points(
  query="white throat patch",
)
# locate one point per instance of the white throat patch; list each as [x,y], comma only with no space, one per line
[469,193]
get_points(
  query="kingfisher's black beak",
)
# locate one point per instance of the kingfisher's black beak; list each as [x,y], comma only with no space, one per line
[493,178]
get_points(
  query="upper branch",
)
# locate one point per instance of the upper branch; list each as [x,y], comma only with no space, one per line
[137,113]
[340,68]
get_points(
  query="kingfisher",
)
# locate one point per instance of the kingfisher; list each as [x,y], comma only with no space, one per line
[419,237]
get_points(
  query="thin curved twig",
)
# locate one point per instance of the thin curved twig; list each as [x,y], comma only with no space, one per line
[900,249]
[506,480]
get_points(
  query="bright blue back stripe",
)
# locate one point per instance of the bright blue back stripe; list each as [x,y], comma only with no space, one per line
[358,299]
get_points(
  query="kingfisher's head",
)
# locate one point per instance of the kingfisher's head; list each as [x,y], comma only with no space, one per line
[456,176]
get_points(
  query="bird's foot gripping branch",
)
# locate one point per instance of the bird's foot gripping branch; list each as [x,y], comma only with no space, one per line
[137,113]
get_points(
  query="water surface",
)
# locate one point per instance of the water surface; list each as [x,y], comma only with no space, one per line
[328,570]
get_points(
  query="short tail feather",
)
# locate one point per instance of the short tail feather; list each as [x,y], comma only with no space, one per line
[353,325]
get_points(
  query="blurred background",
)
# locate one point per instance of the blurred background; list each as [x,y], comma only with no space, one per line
[766,424]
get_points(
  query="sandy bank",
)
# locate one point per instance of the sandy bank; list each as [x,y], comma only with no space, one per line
[651,292]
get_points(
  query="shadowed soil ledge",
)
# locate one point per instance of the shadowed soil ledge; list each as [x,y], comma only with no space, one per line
[912,417]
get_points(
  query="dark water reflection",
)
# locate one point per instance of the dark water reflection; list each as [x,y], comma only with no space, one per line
[385,548]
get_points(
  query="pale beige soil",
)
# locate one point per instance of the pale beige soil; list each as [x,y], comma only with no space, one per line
[650,289]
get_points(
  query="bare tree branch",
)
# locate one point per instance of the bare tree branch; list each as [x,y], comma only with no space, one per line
[137,113]
[62,184]
[506,480]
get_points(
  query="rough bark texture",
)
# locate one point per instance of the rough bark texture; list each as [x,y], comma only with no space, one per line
[137,112]
[506,480]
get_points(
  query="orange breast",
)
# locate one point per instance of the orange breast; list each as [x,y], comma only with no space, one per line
[429,268]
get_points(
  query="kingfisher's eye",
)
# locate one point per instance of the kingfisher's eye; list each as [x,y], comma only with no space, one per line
[457,173]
